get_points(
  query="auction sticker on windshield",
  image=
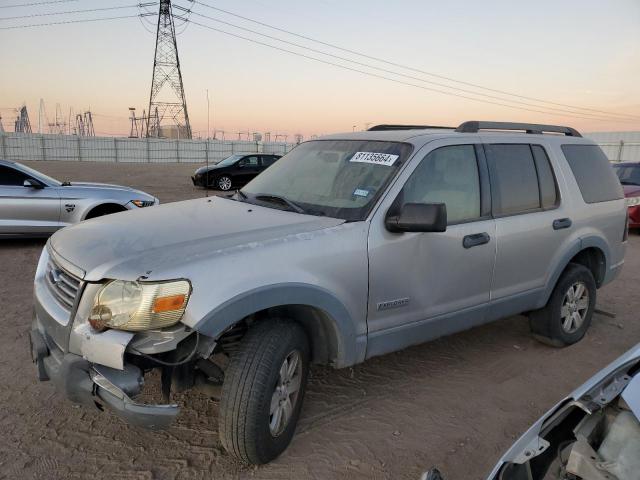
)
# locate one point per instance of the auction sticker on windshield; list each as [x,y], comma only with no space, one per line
[386,159]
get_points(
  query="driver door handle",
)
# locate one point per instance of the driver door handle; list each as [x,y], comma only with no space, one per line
[476,239]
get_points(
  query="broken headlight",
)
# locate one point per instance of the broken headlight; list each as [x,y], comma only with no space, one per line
[136,306]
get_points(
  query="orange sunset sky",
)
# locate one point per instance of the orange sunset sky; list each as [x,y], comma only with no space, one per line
[579,53]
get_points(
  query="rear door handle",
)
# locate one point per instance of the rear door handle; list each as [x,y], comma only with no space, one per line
[476,239]
[561,223]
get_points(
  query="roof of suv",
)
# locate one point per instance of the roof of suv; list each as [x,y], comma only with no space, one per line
[417,134]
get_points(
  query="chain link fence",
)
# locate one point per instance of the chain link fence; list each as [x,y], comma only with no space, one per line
[25,147]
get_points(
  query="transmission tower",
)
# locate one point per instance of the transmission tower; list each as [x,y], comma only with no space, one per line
[22,124]
[167,91]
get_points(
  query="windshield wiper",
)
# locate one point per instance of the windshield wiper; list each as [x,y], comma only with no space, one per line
[266,197]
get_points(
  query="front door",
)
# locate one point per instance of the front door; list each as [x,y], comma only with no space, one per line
[26,210]
[249,167]
[425,285]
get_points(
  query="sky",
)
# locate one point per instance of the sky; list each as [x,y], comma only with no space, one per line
[582,53]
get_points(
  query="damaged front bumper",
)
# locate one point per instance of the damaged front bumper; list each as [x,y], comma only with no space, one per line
[95,385]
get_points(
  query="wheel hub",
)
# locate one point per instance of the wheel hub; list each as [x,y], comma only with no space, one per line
[285,394]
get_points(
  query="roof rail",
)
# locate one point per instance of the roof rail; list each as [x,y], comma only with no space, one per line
[532,128]
[380,128]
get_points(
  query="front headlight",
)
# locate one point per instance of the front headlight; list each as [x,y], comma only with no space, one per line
[137,306]
[142,203]
[632,201]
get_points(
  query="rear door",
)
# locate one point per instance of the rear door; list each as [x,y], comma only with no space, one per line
[26,210]
[531,222]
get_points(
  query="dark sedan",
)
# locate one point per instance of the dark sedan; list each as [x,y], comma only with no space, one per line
[233,171]
[629,175]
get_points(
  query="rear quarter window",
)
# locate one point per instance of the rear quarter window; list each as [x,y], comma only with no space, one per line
[593,173]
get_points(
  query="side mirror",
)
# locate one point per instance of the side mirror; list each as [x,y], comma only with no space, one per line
[418,217]
[31,183]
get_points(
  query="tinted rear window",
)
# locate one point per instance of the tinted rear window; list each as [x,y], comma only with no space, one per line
[548,187]
[514,182]
[593,172]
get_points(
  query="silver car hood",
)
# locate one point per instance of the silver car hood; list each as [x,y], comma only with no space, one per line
[145,242]
[521,450]
[82,186]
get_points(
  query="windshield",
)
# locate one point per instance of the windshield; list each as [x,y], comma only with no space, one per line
[40,176]
[337,178]
[628,174]
[229,160]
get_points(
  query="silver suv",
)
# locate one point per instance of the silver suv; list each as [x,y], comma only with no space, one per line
[351,246]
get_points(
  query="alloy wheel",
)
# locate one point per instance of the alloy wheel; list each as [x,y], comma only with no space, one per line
[285,394]
[575,306]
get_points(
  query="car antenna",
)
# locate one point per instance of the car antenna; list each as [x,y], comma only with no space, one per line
[206,179]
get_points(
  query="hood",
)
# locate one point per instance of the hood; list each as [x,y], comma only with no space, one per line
[631,190]
[212,166]
[103,186]
[147,241]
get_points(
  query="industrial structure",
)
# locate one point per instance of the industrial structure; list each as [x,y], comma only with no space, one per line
[168,115]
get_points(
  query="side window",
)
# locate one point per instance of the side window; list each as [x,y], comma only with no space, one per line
[11,177]
[251,161]
[548,185]
[514,182]
[593,172]
[447,175]
[268,160]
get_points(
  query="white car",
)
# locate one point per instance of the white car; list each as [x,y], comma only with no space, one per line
[33,204]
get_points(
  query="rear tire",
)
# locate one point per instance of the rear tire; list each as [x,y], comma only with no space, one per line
[255,390]
[566,317]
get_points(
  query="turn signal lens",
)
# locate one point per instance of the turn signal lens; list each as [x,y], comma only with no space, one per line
[167,304]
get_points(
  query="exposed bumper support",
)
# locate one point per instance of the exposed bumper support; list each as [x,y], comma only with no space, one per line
[93,385]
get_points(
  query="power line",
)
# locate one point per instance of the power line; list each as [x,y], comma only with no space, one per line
[69,12]
[388,78]
[442,77]
[590,115]
[66,22]
[36,3]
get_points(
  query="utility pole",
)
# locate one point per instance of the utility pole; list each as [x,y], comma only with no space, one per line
[208,114]
[167,91]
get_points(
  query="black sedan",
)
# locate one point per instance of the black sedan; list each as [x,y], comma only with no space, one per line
[233,171]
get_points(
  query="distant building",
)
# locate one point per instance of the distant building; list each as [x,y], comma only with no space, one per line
[618,146]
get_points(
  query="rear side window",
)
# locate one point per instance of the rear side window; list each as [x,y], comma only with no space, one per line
[548,186]
[593,172]
[514,181]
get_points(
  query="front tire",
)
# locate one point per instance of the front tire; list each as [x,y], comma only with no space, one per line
[566,317]
[224,183]
[263,391]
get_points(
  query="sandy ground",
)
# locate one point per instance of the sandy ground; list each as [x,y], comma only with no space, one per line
[458,402]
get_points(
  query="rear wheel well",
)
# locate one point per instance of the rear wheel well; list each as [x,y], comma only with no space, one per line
[104,209]
[317,324]
[593,258]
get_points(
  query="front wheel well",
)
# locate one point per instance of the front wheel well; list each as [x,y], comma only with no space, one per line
[592,258]
[317,324]
[104,209]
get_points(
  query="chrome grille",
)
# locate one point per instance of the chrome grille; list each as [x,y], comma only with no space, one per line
[62,285]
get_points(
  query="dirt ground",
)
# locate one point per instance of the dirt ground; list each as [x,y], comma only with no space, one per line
[457,403]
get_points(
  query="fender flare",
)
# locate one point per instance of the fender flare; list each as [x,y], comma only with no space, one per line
[575,248]
[349,348]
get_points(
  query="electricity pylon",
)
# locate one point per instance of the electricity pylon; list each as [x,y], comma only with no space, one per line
[167,91]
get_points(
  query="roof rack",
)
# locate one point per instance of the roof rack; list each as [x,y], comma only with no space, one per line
[384,127]
[531,128]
